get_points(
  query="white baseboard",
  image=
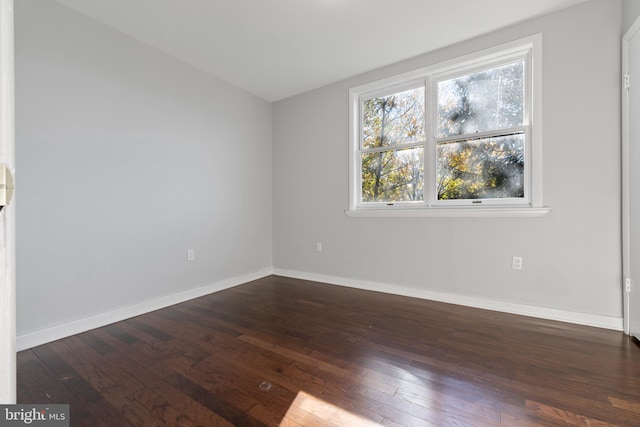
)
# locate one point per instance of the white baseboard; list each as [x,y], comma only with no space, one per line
[605,322]
[43,336]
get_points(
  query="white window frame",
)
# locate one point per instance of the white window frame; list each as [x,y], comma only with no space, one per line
[529,49]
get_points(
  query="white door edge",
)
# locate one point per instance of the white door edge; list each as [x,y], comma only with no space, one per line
[7,215]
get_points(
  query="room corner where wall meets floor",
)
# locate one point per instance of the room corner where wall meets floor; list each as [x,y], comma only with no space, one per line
[36,338]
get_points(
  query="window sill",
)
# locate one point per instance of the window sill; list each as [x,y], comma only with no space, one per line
[475,212]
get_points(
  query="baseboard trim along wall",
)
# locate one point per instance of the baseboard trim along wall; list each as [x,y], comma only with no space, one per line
[605,322]
[43,336]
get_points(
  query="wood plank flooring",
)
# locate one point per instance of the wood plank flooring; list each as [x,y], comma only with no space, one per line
[286,352]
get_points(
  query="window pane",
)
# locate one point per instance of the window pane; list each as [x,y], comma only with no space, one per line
[481,169]
[394,119]
[393,176]
[488,100]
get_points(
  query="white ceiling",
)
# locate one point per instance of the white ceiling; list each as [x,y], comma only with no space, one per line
[279,48]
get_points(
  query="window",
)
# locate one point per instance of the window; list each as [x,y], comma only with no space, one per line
[392,147]
[463,136]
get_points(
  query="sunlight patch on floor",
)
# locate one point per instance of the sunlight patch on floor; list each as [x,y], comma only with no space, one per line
[308,410]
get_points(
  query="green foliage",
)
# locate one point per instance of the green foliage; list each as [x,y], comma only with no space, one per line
[481,169]
[392,173]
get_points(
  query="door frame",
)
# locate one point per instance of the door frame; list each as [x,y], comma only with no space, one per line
[7,215]
[626,217]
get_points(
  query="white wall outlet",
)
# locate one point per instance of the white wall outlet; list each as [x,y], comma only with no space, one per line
[191,254]
[627,285]
[318,246]
[516,263]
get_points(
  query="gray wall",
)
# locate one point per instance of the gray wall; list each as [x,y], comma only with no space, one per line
[126,157]
[572,256]
[630,12]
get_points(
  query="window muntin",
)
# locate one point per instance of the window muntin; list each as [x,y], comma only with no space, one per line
[485,158]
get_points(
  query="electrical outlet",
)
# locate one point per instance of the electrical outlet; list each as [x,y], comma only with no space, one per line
[191,254]
[319,247]
[516,263]
[627,285]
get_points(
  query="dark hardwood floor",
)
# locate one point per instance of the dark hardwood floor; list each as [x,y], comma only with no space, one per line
[287,352]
